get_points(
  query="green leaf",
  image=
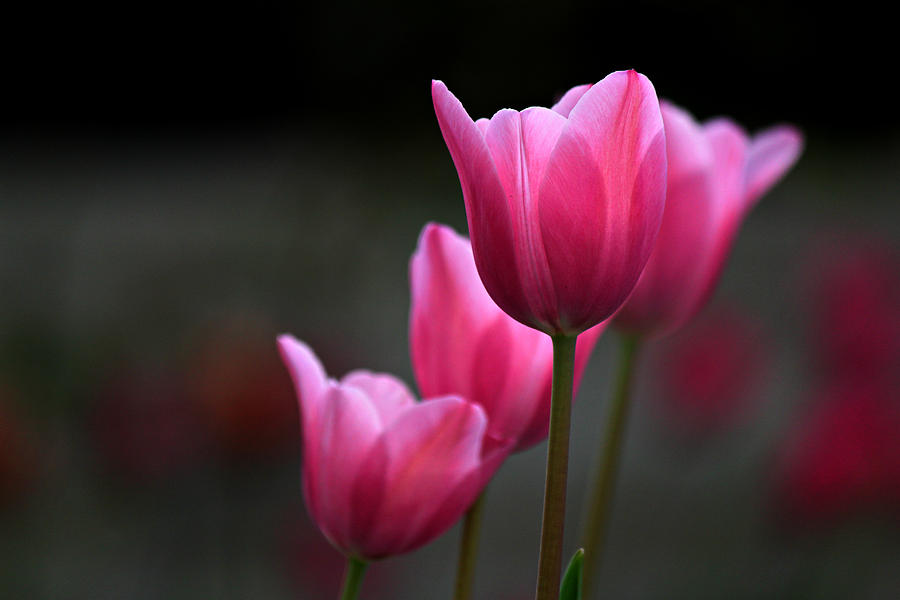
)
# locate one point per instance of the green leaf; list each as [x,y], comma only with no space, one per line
[572,580]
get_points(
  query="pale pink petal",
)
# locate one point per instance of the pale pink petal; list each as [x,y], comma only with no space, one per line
[487,210]
[388,395]
[771,154]
[602,197]
[347,432]
[520,144]
[570,99]
[429,449]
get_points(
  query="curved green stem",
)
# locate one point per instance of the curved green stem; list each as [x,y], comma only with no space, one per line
[468,550]
[607,465]
[553,525]
[353,576]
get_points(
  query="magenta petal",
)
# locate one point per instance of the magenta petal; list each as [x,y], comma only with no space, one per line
[430,448]
[511,375]
[667,291]
[462,496]
[449,308]
[603,195]
[771,154]
[348,429]
[389,396]
[570,99]
[308,376]
[520,144]
[487,210]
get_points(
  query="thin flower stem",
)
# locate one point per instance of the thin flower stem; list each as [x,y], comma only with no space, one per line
[608,463]
[553,526]
[468,550]
[353,576]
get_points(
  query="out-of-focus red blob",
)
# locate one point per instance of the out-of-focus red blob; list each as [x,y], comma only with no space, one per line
[842,458]
[855,296]
[143,427]
[237,379]
[709,370]
[17,454]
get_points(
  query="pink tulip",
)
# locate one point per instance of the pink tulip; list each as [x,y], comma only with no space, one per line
[716,174]
[462,343]
[382,473]
[563,204]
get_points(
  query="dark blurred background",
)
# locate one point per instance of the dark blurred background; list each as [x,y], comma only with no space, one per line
[179,183]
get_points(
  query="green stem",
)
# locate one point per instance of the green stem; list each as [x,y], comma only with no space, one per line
[608,463]
[353,576]
[553,525]
[468,550]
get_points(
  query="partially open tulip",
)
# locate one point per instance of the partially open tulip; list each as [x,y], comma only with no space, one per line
[462,343]
[563,204]
[715,175]
[382,473]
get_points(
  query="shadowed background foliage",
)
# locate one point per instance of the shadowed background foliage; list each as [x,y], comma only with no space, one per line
[179,183]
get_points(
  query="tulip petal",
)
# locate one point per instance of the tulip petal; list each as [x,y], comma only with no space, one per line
[308,376]
[462,496]
[310,384]
[449,308]
[771,154]
[603,194]
[666,293]
[511,375]
[570,99]
[487,210]
[388,395]
[427,451]
[520,145]
[348,430]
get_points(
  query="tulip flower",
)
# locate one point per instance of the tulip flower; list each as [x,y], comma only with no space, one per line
[716,173]
[384,474]
[563,204]
[462,343]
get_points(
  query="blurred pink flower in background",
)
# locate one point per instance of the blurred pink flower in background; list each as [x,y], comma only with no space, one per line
[709,370]
[854,293]
[563,204]
[842,457]
[143,427]
[462,343]
[716,173]
[382,473]
[236,378]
